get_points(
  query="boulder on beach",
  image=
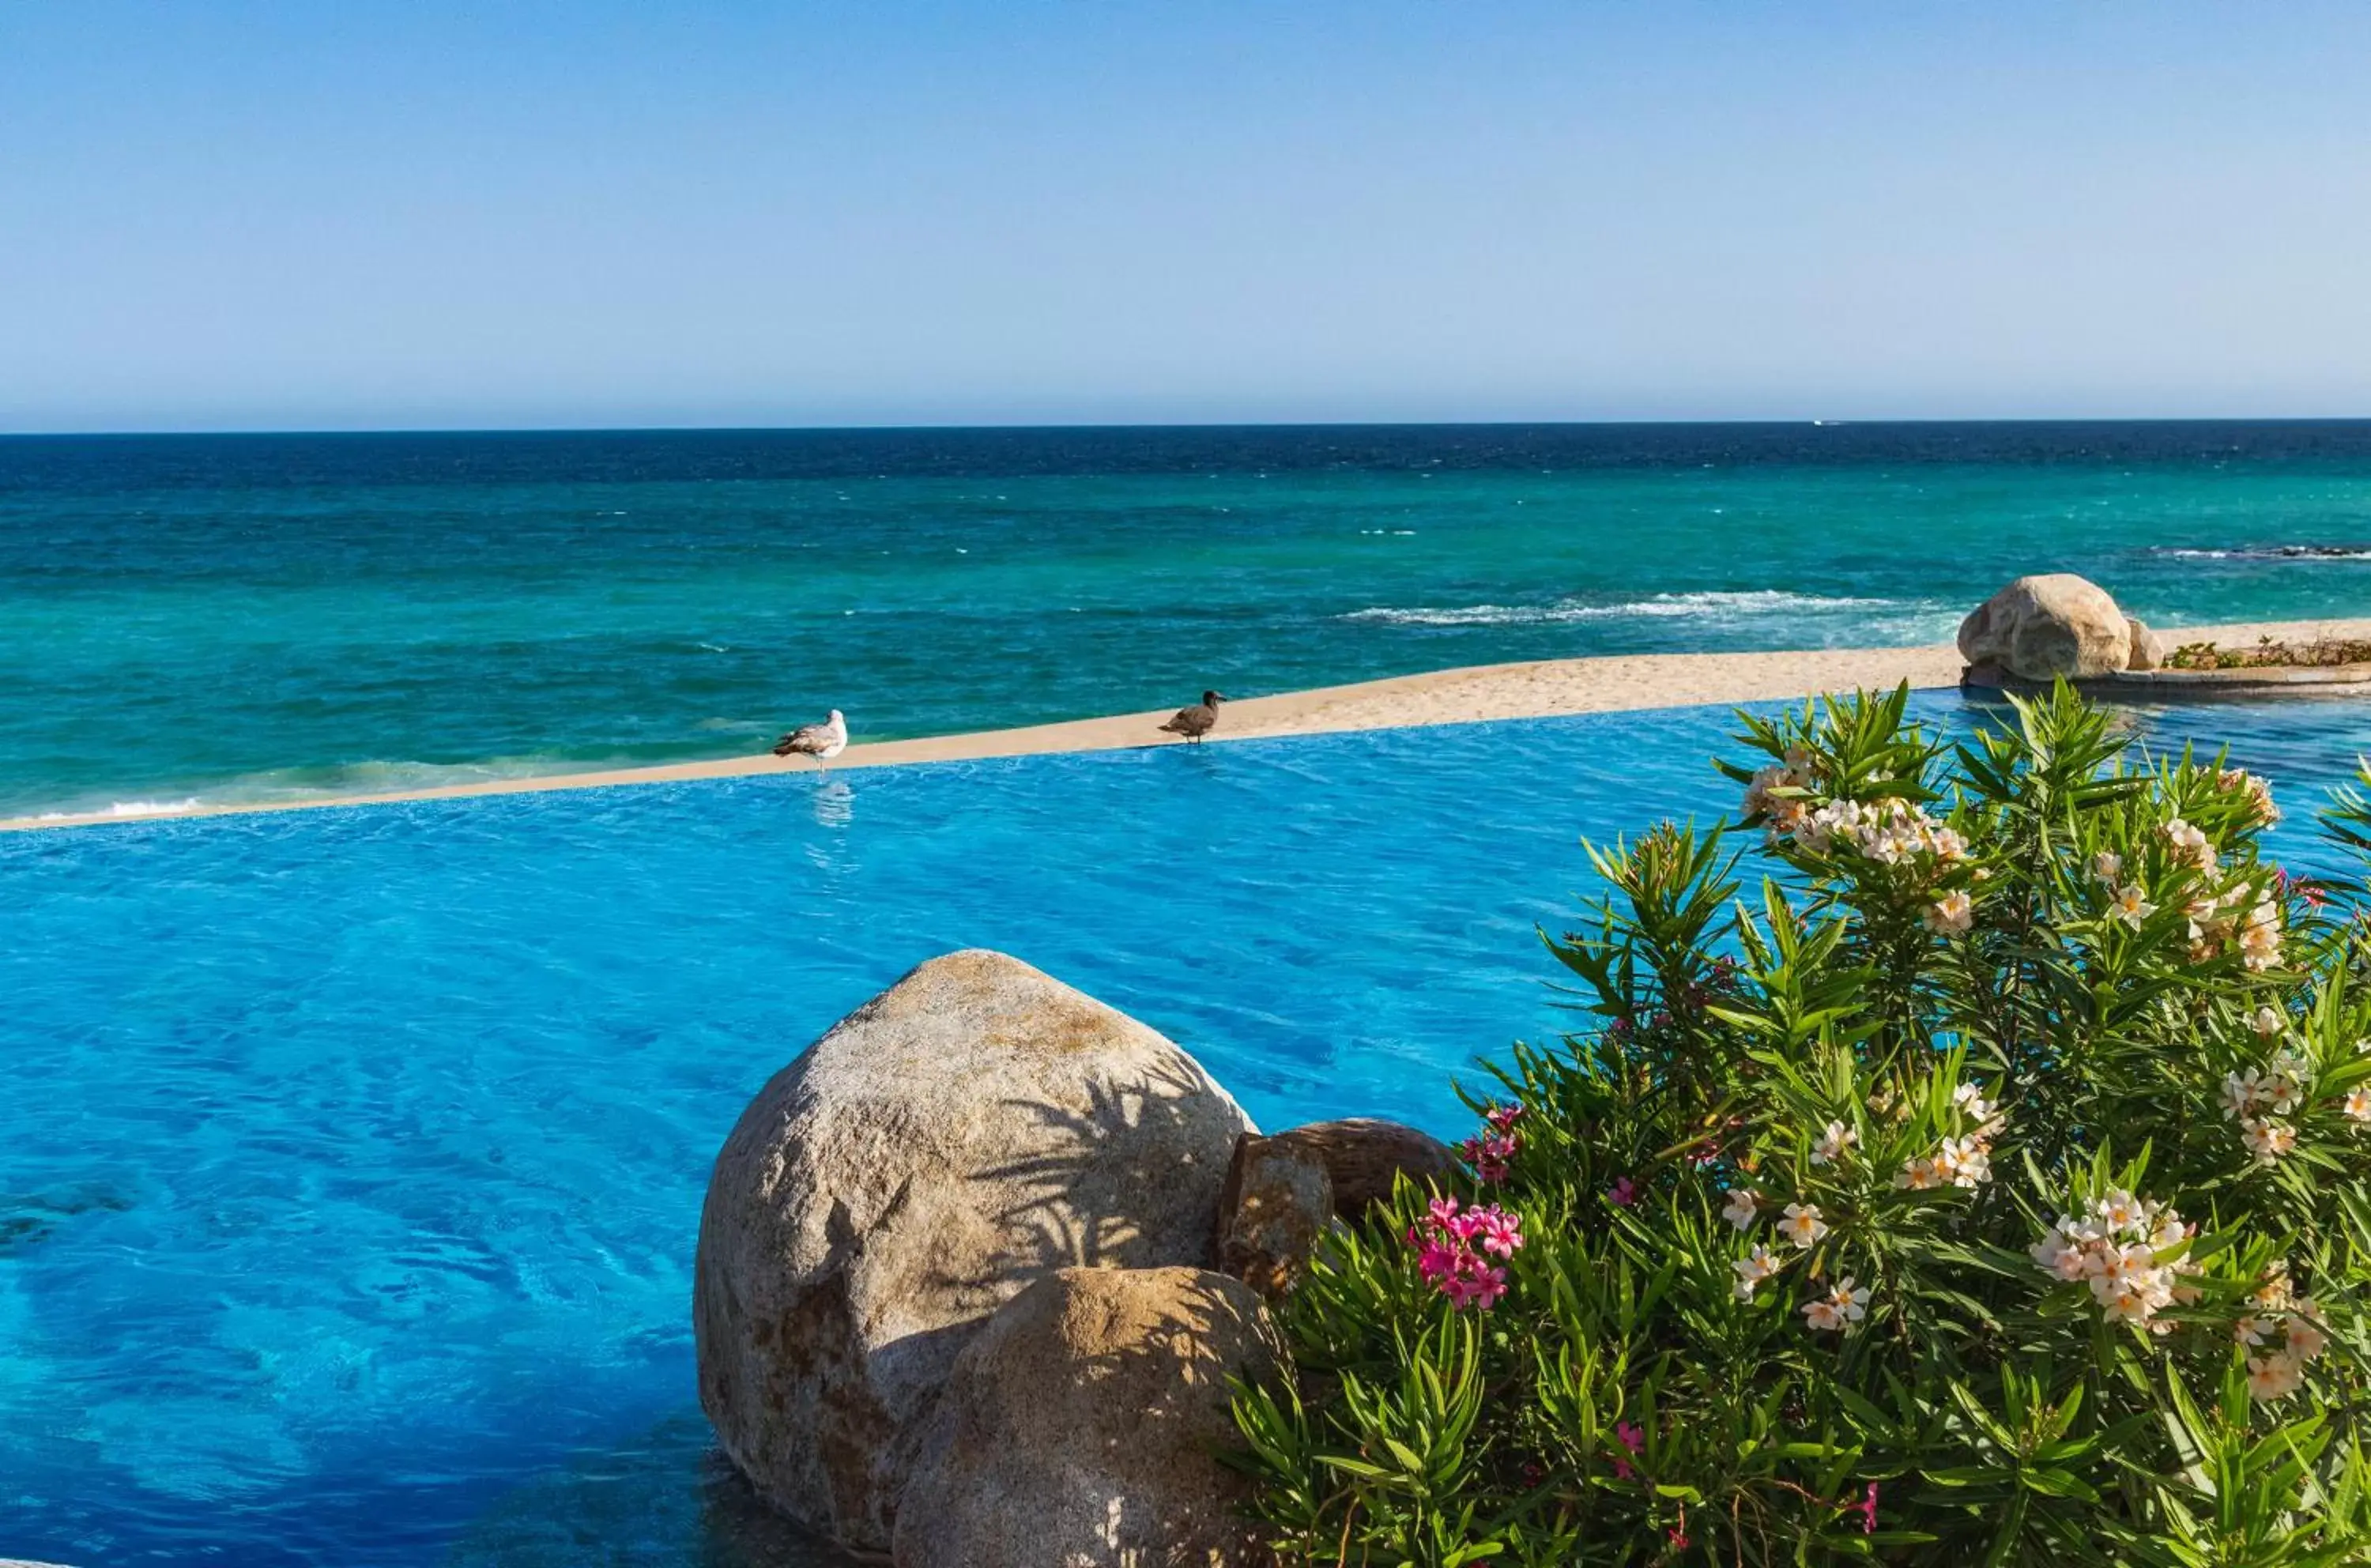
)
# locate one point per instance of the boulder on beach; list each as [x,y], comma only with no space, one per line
[1079,1429]
[2147,649]
[975,1128]
[2038,628]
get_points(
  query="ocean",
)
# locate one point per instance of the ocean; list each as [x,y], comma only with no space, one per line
[215,619]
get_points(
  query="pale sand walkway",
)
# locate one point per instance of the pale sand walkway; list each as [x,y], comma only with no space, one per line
[1481,692]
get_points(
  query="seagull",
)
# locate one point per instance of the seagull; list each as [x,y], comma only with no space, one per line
[822,742]
[1197,721]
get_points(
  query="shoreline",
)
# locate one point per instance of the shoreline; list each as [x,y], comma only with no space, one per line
[1466,695]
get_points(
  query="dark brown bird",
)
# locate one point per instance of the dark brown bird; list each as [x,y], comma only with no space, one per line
[1197,721]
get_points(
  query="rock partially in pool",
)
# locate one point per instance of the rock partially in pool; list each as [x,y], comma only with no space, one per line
[1080,1427]
[2038,628]
[971,1130]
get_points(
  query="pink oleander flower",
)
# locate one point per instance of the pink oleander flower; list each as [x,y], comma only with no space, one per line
[1866,1509]
[1447,1258]
[1490,1156]
[1623,1194]
[1500,1232]
[1502,1118]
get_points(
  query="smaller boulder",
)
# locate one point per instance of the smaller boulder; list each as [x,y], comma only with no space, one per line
[1277,1201]
[1080,1427]
[2149,648]
[2038,628]
[1362,1154]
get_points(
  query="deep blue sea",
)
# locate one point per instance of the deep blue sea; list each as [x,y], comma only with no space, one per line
[351,1160]
[224,617]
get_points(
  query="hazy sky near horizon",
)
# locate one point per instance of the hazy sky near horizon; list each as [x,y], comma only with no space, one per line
[301,216]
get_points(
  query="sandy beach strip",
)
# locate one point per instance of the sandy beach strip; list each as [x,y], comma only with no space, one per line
[1475,694]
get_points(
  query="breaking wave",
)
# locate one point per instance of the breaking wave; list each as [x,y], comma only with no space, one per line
[2270,552]
[1707,605]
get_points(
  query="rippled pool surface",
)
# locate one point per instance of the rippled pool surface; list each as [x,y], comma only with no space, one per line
[351,1160]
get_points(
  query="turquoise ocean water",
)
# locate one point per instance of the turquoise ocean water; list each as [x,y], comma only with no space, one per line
[263,616]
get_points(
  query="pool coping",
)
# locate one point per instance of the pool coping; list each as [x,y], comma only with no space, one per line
[1549,689]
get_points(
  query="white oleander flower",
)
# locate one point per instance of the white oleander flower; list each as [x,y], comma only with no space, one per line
[2113,1249]
[1803,1225]
[2260,939]
[1839,1310]
[2267,1021]
[1917,1175]
[2357,1103]
[2259,792]
[1753,1269]
[2190,844]
[2285,1086]
[2271,1376]
[1833,1143]
[1964,1161]
[2251,1330]
[2132,906]
[1951,914]
[2119,1210]
[1744,1206]
[2268,1141]
[2108,867]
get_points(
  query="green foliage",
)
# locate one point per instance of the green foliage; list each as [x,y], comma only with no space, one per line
[1964,1163]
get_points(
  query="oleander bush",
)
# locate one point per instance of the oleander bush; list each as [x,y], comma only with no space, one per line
[1980,1177]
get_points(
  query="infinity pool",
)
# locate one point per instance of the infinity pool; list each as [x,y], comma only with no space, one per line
[350,1160]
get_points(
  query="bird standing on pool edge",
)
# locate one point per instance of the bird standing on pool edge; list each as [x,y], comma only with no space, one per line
[1197,721]
[822,742]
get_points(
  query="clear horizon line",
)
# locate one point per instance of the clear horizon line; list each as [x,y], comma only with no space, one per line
[898,426]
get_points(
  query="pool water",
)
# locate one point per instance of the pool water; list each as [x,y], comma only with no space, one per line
[350,1160]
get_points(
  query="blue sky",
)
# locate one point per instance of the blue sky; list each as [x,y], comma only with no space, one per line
[305,216]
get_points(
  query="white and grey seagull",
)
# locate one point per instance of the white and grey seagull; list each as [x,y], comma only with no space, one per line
[822,742]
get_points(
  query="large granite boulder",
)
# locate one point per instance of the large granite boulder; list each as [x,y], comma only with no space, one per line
[2041,627]
[976,1127]
[1079,1429]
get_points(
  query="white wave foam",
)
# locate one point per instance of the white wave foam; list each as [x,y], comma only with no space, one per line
[2271,553]
[127,809]
[1711,603]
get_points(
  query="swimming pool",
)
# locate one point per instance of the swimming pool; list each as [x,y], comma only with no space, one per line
[351,1160]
